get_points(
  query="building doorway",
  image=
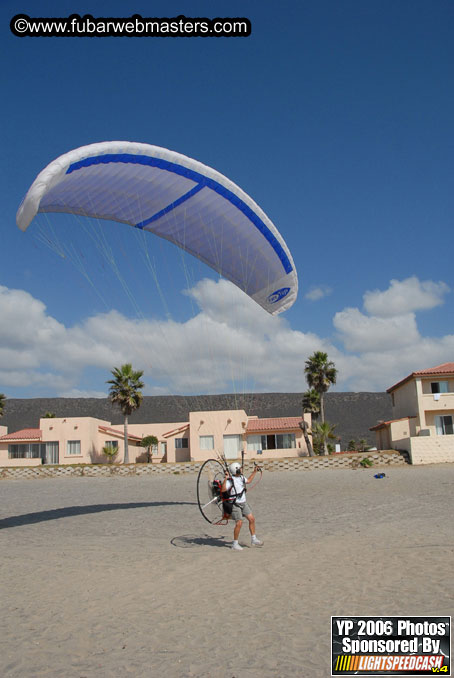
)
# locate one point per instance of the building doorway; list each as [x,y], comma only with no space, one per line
[50,453]
[232,446]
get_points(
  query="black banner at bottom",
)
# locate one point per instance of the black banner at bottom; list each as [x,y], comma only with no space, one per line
[390,646]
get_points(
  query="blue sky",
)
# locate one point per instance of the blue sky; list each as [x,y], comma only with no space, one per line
[335,117]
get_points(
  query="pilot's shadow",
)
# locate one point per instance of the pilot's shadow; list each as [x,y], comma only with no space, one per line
[188,541]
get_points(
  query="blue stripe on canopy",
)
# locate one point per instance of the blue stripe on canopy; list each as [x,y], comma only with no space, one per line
[171,207]
[201,181]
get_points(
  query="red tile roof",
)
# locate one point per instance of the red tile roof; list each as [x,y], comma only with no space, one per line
[383,424]
[24,434]
[443,369]
[273,424]
[176,430]
[120,434]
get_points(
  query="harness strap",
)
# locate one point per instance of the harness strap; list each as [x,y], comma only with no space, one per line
[233,500]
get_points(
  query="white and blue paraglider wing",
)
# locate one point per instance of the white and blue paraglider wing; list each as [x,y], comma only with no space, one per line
[176,198]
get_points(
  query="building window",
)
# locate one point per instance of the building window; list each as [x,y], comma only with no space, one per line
[444,425]
[163,449]
[439,387]
[232,446]
[255,443]
[285,441]
[206,442]
[273,441]
[26,451]
[112,443]
[51,453]
[180,443]
[73,447]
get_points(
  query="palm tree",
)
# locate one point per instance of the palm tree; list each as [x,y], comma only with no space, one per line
[322,433]
[320,375]
[110,451]
[2,403]
[125,392]
[311,402]
[305,429]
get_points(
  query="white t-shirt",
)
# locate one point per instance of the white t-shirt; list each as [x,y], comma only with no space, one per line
[240,484]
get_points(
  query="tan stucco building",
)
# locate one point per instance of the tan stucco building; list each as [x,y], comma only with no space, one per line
[80,440]
[423,416]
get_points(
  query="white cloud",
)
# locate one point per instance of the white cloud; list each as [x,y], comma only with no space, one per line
[362,334]
[33,379]
[78,393]
[378,370]
[230,344]
[317,293]
[405,296]
[386,343]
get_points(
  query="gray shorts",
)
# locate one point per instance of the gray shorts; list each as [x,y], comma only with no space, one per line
[240,510]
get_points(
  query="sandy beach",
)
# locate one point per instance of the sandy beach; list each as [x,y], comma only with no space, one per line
[113,577]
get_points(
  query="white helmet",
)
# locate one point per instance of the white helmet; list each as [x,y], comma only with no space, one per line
[235,468]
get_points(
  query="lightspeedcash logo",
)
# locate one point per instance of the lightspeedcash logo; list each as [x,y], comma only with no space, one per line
[378,646]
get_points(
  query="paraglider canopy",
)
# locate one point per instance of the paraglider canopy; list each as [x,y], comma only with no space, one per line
[176,198]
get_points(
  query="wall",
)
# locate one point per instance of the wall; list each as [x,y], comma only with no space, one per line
[426,383]
[399,430]
[396,435]
[92,440]
[84,429]
[430,420]
[405,400]
[159,430]
[103,437]
[383,438]
[4,459]
[403,444]
[6,462]
[380,460]
[234,422]
[300,449]
[444,404]
[422,449]
[432,449]
[218,424]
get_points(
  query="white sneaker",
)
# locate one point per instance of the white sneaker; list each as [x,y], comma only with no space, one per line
[256,542]
[237,547]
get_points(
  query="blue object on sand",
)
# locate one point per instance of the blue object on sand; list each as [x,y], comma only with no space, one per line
[379,475]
